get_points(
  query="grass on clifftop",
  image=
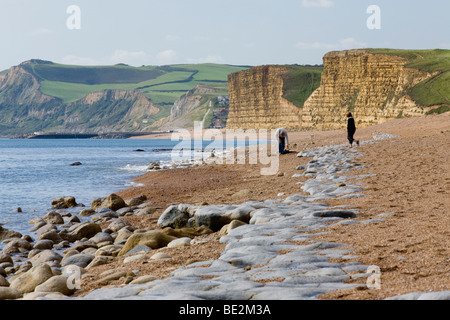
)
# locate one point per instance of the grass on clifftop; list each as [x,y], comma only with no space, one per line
[300,82]
[435,90]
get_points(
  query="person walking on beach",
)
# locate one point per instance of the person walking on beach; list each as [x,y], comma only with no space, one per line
[351,129]
[283,140]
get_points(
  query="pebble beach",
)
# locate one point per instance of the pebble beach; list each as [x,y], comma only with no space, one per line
[363,223]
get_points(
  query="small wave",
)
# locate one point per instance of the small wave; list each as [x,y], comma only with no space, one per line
[134,168]
[134,184]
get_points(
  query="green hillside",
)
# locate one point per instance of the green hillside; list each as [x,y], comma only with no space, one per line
[435,90]
[161,84]
[300,82]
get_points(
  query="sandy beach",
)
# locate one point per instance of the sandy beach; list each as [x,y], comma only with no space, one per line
[402,178]
[408,176]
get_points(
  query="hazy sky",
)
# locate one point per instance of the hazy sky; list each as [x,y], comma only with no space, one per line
[240,32]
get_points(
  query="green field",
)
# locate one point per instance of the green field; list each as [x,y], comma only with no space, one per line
[161,84]
[435,90]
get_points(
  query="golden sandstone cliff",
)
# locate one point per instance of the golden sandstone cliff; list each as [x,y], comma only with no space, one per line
[257,102]
[374,87]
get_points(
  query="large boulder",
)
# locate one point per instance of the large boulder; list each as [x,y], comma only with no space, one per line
[46,256]
[85,230]
[64,202]
[17,245]
[29,280]
[174,217]
[81,260]
[57,284]
[8,234]
[214,216]
[8,293]
[53,217]
[153,239]
[113,202]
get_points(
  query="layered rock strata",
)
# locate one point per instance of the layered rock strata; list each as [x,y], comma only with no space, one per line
[373,87]
[257,102]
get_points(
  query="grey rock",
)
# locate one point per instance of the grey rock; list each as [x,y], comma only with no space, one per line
[173,217]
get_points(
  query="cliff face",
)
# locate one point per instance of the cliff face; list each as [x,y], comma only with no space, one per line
[257,102]
[374,87]
[108,110]
[24,107]
[191,100]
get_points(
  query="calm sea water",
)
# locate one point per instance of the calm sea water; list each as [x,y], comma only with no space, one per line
[34,172]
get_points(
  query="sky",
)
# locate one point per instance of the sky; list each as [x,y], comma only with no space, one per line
[236,32]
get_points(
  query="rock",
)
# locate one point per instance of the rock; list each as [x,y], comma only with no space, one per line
[5,258]
[213,216]
[154,239]
[144,279]
[144,211]
[173,217]
[53,218]
[138,249]
[17,245]
[3,281]
[87,212]
[110,250]
[47,256]
[56,284]
[85,230]
[113,202]
[242,193]
[136,201]
[241,213]
[8,293]
[64,202]
[51,235]
[136,257]
[160,256]
[102,237]
[24,267]
[178,243]
[45,228]
[81,260]
[43,244]
[232,225]
[118,224]
[123,235]
[83,245]
[8,234]
[188,232]
[3,272]
[28,281]
[98,261]
[112,277]
[49,295]
[77,163]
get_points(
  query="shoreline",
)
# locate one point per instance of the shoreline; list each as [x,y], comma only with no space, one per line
[218,184]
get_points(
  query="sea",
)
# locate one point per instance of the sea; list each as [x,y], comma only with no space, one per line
[33,172]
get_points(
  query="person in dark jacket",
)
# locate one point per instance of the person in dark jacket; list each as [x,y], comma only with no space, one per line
[351,129]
